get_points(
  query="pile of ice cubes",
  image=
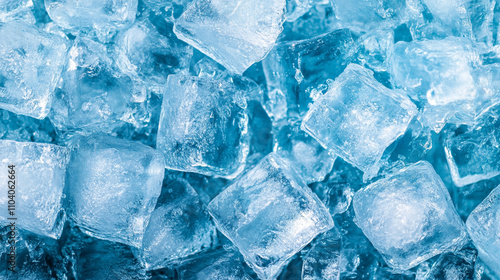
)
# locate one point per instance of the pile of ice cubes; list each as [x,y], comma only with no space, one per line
[250,139]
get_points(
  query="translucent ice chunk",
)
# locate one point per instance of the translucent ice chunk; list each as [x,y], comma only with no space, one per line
[409,217]
[113,187]
[323,259]
[214,265]
[38,178]
[236,34]
[179,226]
[144,52]
[100,18]
[16,10]
[452,14]
[294,69]
[358,118]
[269,214]
[483,225]
[94,96]
[31,62]
[203,126]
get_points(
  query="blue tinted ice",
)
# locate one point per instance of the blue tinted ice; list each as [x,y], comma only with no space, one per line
[269,214]
[236,34]
[323,260]
[203,126]
[179,226]
[294,69]
[39,180]
[358,118]
[483,225]
[17,10]
[409,217]
[99,18]
[113,187]
[31,62]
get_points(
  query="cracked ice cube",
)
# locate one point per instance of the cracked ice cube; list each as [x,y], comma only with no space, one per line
[203,126]
[409,217]
[38,176]
[358,118]
[179,226]
[31,62]
[113,187]
[236,33]
[269,214]
[483,225]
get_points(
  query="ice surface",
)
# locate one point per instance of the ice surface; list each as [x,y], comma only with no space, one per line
[26,129]
[483,225]
[236,34]
[294,69]
[409,217]
[452,14]
[39,178]
[362,15]
[323,259]
[437,73]
[297,8]
[145,52]
[358,118]
[269,214]
[310,159]
[452,266]
[30,67]
[100,18]
[203,126]
[214,265]
[472,154]
[17,10]
[179,226]
[94,96]
[374,47]
[113,187]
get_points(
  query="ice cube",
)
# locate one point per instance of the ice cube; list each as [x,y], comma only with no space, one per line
[294,69]
[269,214]
[409,217]
[236,34]
[203,126]
[31,62]
[179,226]
[94,95]
[483,225]
[17,10]
[34,174]
[323,259]
[99,18]
[144,52]
[451,14]
[451,266]
[214,265]
[472,154]
[358,118]
[113,187]
[310,159]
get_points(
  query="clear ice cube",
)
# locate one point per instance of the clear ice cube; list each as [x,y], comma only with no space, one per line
[409,217]
[113,187]
[17,10]
[358,118]
[269,214]
[203,126]
[38,177]
[31,62]
[179,226]
[322,261]
[483,225]
[249,29]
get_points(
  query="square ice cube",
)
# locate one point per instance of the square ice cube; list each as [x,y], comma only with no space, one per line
[483,225]
[31,62]
[100,18]
[296,68]
[358,118]
[113,187]
[203,126]
[179,226]
[37,175]
[234,33]
[269,214]
[409,217]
